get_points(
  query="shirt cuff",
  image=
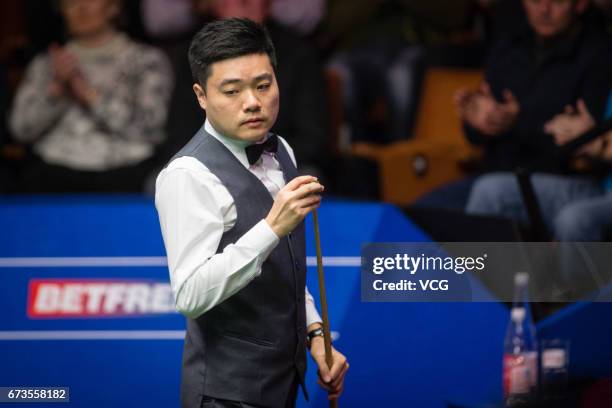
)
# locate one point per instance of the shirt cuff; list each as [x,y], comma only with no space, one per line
[312,315]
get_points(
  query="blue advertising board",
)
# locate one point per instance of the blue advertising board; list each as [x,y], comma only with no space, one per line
[86,304]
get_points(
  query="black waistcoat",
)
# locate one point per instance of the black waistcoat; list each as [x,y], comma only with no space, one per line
[251,347]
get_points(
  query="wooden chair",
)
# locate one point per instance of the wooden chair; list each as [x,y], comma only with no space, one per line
[433,157]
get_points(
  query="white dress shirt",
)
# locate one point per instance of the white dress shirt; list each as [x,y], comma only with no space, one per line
[195,209]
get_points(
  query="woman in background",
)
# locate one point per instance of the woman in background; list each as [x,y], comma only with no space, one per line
[94,109]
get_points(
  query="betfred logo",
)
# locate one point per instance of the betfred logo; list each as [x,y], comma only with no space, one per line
[64,298]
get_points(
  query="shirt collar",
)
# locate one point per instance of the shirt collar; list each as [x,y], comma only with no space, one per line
[233,145]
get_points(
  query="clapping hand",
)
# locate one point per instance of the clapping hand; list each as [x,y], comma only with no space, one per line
[483,112]
[68,78]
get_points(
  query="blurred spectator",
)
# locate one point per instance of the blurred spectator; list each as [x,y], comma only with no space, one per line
[6,178]
[4,91]
[351,23]
[521,90]
[164,19]
[555,59]
[168,18]
[575,208]
[94,109]
[508,16]
[379,68]
[301,16]
[388,71]
[382,55]
[303,117]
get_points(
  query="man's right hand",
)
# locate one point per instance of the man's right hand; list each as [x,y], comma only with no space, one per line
[481,111]
[65,66]
[292,203]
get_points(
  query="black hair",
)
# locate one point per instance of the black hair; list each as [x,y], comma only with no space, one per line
[224,39]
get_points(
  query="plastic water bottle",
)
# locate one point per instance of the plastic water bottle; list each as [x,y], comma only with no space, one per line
[520,349]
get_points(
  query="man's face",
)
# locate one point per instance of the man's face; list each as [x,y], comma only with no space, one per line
[241,97]
[549,18]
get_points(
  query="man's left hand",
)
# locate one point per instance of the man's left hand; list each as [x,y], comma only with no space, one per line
[570,124]
[332,380]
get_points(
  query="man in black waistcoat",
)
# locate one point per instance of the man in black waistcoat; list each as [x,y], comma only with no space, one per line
[231,209]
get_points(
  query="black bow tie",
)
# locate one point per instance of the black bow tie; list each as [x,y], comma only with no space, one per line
[254,151]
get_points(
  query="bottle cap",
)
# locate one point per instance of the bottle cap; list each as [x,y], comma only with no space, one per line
[517,314]
[521,278]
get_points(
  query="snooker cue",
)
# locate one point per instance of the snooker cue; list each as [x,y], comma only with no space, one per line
[326,333]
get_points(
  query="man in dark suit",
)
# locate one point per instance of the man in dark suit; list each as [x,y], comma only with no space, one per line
[556,55]
[231,209]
